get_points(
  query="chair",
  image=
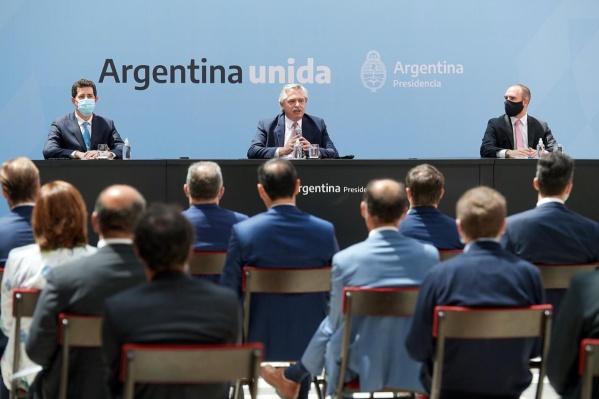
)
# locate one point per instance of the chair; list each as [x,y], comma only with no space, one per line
[76,331]
[282,281]
[372,302]
[588,366]
[207,262]
[23,305]
[445,254]
[558,276]
[489,323]
[190,364]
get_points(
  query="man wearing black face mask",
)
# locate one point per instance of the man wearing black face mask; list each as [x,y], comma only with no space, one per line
[516,134]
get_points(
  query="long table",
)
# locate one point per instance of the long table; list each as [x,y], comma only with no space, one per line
[331,189]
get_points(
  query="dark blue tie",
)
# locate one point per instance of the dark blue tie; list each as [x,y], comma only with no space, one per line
[86,135]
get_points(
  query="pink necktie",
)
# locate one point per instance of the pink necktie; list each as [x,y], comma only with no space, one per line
[518,134]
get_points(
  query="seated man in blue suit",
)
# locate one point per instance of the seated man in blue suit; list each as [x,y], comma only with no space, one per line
[212,224]
[516,134]
[424,221]
[282,237]
[485,275]
[385,259]
[276,136]
[77,135]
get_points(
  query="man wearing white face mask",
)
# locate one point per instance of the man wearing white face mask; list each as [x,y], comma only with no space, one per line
[77,135]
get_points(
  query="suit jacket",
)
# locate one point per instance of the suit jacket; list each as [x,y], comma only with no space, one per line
[171,309]
[79,287]
[271,135]
[500,136]
[578,319]
[485,275]
[428,224]
[385,259]
[283,237]
[212,225]
[65,137]
[15,230]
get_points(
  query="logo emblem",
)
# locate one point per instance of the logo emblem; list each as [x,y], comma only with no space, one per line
[373,72]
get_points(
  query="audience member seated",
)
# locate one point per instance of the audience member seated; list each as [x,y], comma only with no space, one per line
[424,221]
[282,237]
[385,259]
[485,275]
[170,308]
[212,224]
[550,233]
[59,225]
[80,287]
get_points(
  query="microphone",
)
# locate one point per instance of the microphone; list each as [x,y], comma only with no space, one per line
[298,131]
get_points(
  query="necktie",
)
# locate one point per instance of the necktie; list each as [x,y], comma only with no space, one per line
[518,134]
[294,127]
[86,135]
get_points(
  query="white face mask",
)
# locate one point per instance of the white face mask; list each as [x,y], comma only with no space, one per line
[86,106]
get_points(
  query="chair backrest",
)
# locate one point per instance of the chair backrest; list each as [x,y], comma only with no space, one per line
[373,302]
[1,270]
[558,276]
[190,364]
[489,323]
[24,301]
[207,263]
[76,330]
[588,366]
[445,254]
[281,281]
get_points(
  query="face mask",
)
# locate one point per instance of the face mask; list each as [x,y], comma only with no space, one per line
[512,108]
[86,106]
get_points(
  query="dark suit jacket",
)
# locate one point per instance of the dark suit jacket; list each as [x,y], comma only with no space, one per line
[577,319]
[212,225]
[173,308]
[428,224]
[65,137]
[78,287]
[271,135]
[283,237]
[483,276]
[15,230]
[500,136]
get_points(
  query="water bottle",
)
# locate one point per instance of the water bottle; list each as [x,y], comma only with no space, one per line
[540,148]
[126,150]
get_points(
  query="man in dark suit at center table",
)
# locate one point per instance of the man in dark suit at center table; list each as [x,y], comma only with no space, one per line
[516,134]
[81,287]
[276,136]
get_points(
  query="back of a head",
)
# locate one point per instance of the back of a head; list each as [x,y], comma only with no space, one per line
[555,171]
[426,185]
[163,238]
[20,180]
[278,177]
[118,209]
[481,212]
[204,180]
[59,217]
[386,200]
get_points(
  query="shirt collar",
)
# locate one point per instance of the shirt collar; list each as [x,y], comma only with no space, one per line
[523,120]
[384,228]
[467,247]
[80,120]
[549,200]
[23,204]
[111,241]
[289,123]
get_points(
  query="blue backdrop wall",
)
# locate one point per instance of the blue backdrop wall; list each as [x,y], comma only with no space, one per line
[437,71]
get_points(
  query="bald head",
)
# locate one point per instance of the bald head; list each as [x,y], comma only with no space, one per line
[385,201]
[117,211]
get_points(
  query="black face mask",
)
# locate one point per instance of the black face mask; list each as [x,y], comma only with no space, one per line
[512,108]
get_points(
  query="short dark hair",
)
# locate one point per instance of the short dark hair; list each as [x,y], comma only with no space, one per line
[121,218]
[426,184]
[163,238]
[204,180]
[555,171]
[386,200]
[20,179]
[481,212]
[278,177]
[83,83]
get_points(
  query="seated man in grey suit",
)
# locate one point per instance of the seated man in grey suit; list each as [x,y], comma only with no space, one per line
[424,221]
[171,308]
[516,134]
[385,259]
[81,287]
[77,135]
